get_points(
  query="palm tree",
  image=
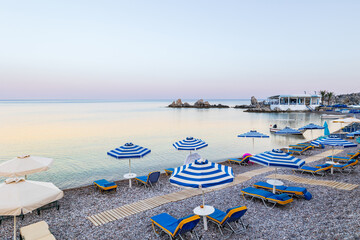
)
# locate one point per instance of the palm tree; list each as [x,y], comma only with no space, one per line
[323,94]
[329,95]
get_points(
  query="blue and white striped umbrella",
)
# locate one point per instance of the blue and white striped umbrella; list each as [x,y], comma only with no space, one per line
[202,173]
[128,151]
[311,126]
[334,142]
[288,130]
[190,144]
[278,159]
[253,134]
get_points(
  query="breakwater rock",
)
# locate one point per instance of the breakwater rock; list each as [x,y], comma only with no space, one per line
[348,99]
[198,104]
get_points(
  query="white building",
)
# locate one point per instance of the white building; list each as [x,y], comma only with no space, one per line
[297,102]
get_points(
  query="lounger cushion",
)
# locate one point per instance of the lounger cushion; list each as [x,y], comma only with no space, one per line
[109,184]
[282,197]
[308,168]
[256,191]
[307,195]
[166,221]
[269,186]
[142,178]
[218,215]
[337,157]
[170,169]
[35,231]
[101,182]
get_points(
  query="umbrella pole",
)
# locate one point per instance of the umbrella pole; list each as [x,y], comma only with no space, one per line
[129,165]
[253,145]
[15,227]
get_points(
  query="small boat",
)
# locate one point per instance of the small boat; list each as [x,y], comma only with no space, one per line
[329,116]
[273,130]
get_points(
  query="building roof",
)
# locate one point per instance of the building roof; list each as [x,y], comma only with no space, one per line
[296,95]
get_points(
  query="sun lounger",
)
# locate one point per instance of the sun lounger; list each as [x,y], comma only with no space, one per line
[54,204]
[175,227]
[297,191]
[149,180]
[223,219]
[36,231]
[105,185]
[266,196]
[348,167]
[241,161]
[343,159]
[300,151]
[169,171]
[314,170]
[354,155]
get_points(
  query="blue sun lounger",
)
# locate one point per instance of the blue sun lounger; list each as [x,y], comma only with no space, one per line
[344,159]
[313,170]
[355,154]
[300,151]
[105,185]
[169,171]
[175,227]
[350,166]
[295,191]
[223,219]
[266,196]
[149,180]
[241,161]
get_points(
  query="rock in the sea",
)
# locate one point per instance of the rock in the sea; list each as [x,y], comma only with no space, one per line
[186,104]
[199,103]
[176,104]
[276,109]
[254,101]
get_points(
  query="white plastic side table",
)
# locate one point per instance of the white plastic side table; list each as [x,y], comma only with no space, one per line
[332,166]
[205,211]
[130,176]
[275,183]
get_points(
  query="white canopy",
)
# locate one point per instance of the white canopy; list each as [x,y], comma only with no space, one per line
[25,196]
[21,166]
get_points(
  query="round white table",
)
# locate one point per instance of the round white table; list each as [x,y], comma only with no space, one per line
[130,176]
[205,211]
[275,183]
[332,166]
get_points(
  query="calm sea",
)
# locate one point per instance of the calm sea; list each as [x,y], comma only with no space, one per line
[77,135]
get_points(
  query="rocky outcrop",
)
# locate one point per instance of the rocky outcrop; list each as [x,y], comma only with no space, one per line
[198,104]
[348,99]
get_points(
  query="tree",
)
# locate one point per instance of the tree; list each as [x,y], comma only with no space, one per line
[329,96]
[323,95]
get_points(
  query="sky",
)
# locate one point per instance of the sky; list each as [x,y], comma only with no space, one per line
[177,49]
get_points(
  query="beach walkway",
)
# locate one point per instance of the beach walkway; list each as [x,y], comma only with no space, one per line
[150,203]
[311,181]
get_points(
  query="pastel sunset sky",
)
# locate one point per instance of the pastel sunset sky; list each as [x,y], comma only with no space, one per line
[154,49]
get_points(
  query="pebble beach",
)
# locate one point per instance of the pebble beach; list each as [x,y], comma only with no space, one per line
[330,214]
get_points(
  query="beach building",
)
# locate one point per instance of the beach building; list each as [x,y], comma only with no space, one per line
[296,102]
